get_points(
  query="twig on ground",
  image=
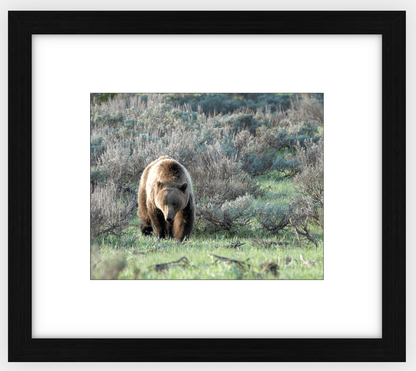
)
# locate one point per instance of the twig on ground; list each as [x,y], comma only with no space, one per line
[235,245]
[240,263]
[165,266]
[270,266]
[263,243]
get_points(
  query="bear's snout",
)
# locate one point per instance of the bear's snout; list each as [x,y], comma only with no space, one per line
[171,215]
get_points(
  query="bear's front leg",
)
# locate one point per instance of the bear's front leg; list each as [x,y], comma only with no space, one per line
[178,226]
[184,223]
[142,212]
[159,223]
[146,226]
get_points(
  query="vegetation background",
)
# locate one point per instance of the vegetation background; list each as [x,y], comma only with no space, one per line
[257,164]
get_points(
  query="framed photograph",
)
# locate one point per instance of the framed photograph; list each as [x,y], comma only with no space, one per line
[206,165]
[213,186]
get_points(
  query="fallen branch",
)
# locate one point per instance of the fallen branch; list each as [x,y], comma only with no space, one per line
[234,245]
[270,266]
[240,263]
[268,244]
[263,243]
[165,266]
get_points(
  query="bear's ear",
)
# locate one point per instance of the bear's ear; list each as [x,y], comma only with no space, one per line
[183,187]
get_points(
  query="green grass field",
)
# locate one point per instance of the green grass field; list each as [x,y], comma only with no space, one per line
[248,253]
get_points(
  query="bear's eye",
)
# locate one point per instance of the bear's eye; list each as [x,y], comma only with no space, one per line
[173,204]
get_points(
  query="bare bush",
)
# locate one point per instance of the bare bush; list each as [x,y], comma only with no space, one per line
[223,153]
[312,109]
[218,177]
[228,215]
[306,107]
[310,181]
[288,165]
[254,152]
[301,210]
[111,209]
[242,140]
[117,163]
[273,218]
[123,161]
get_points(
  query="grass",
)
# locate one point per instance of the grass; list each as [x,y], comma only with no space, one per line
[150,261]
[254,253]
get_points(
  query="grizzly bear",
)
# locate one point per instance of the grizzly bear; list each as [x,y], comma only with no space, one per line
[166,200]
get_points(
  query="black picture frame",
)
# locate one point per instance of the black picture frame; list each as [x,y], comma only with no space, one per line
[390,348]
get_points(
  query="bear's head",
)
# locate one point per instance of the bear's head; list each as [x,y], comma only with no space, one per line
[170,198]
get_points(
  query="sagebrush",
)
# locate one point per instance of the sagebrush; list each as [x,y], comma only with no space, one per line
[226,141]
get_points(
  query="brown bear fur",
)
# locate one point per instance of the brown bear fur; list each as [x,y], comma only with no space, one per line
[166,200]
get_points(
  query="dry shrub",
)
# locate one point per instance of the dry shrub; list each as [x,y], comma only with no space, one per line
[308,207]
[221,189]
[218,177]
[306,107]
[274,218]
[123,161]
[222,154]
[242,140]
[254,152]
[120,104]
[310,181]
[301,210]
[227,215]
[111,210]
[119,163]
